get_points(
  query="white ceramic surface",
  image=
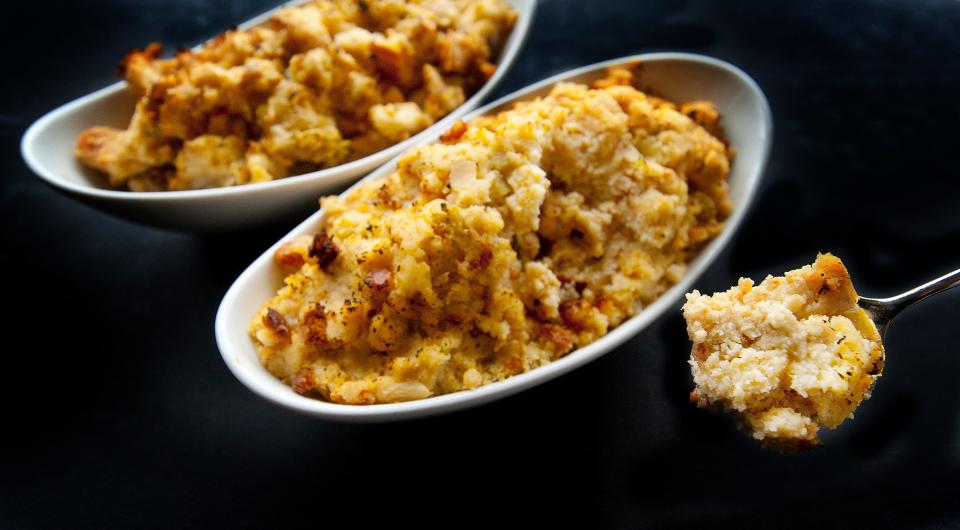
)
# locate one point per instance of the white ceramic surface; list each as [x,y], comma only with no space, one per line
[747,122]
[48,149]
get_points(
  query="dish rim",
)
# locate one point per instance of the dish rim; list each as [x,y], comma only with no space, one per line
[526,11]
[286,398]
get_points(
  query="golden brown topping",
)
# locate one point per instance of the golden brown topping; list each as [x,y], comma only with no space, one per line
[455,132]
[700,353]
[481,261]
[574,314]
[136,57]
[614,77]
[830,276]
[91,141]
[315,323]
[305,383]
[143,68]
[488,69]
[275,321]
[319,84]
[395,62]
[323,250]
[704,113]
[558,335]
[288,257]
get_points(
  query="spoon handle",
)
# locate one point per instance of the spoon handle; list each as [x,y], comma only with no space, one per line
[916,294]
[884,309]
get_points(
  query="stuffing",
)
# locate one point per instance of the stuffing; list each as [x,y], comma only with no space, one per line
[320,84]
[516,239]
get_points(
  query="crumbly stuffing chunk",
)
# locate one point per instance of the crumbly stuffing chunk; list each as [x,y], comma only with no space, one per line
[789,356]
[517,238]
[321,84]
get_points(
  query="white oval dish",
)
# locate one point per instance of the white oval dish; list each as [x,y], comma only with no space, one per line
[679,77]
[48,149]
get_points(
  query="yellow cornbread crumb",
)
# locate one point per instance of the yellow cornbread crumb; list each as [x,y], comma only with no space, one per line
[789,356]
[518,238]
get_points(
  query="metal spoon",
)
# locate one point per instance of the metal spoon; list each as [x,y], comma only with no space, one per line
[883,310]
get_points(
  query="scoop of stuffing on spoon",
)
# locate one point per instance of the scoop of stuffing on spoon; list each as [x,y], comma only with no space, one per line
[789,356]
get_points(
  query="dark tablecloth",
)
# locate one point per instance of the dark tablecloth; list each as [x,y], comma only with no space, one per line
[119,412]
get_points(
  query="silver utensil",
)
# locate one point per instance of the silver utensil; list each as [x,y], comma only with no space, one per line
[883,310]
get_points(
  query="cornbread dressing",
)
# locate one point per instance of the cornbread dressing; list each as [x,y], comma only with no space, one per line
[516,239]
[319,85]
[789,356]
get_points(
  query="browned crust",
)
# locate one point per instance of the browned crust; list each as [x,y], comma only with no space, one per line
[700,353]
[560,336]
[704,114]
[400,69]
[323,250]
[288,258]
[90,143]
[134,56]
[275,321]
[481,261]
[305,383]
[619,76]
[487,69]
[829,275]
[574,313]
[829,283]
[454,133]
[314,322]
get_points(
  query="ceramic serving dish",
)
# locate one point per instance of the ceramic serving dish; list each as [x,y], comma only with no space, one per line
[679,77]
[48,149]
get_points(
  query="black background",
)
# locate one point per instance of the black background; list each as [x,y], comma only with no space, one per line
[119,413]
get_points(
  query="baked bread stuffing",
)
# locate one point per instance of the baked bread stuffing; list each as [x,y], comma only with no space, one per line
[321,84]
[516,239]
[789,356]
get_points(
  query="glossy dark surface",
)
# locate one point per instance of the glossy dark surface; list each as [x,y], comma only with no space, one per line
[119,413]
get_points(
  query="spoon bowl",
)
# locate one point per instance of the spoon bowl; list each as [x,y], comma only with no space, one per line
[676,76]
[48,149]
